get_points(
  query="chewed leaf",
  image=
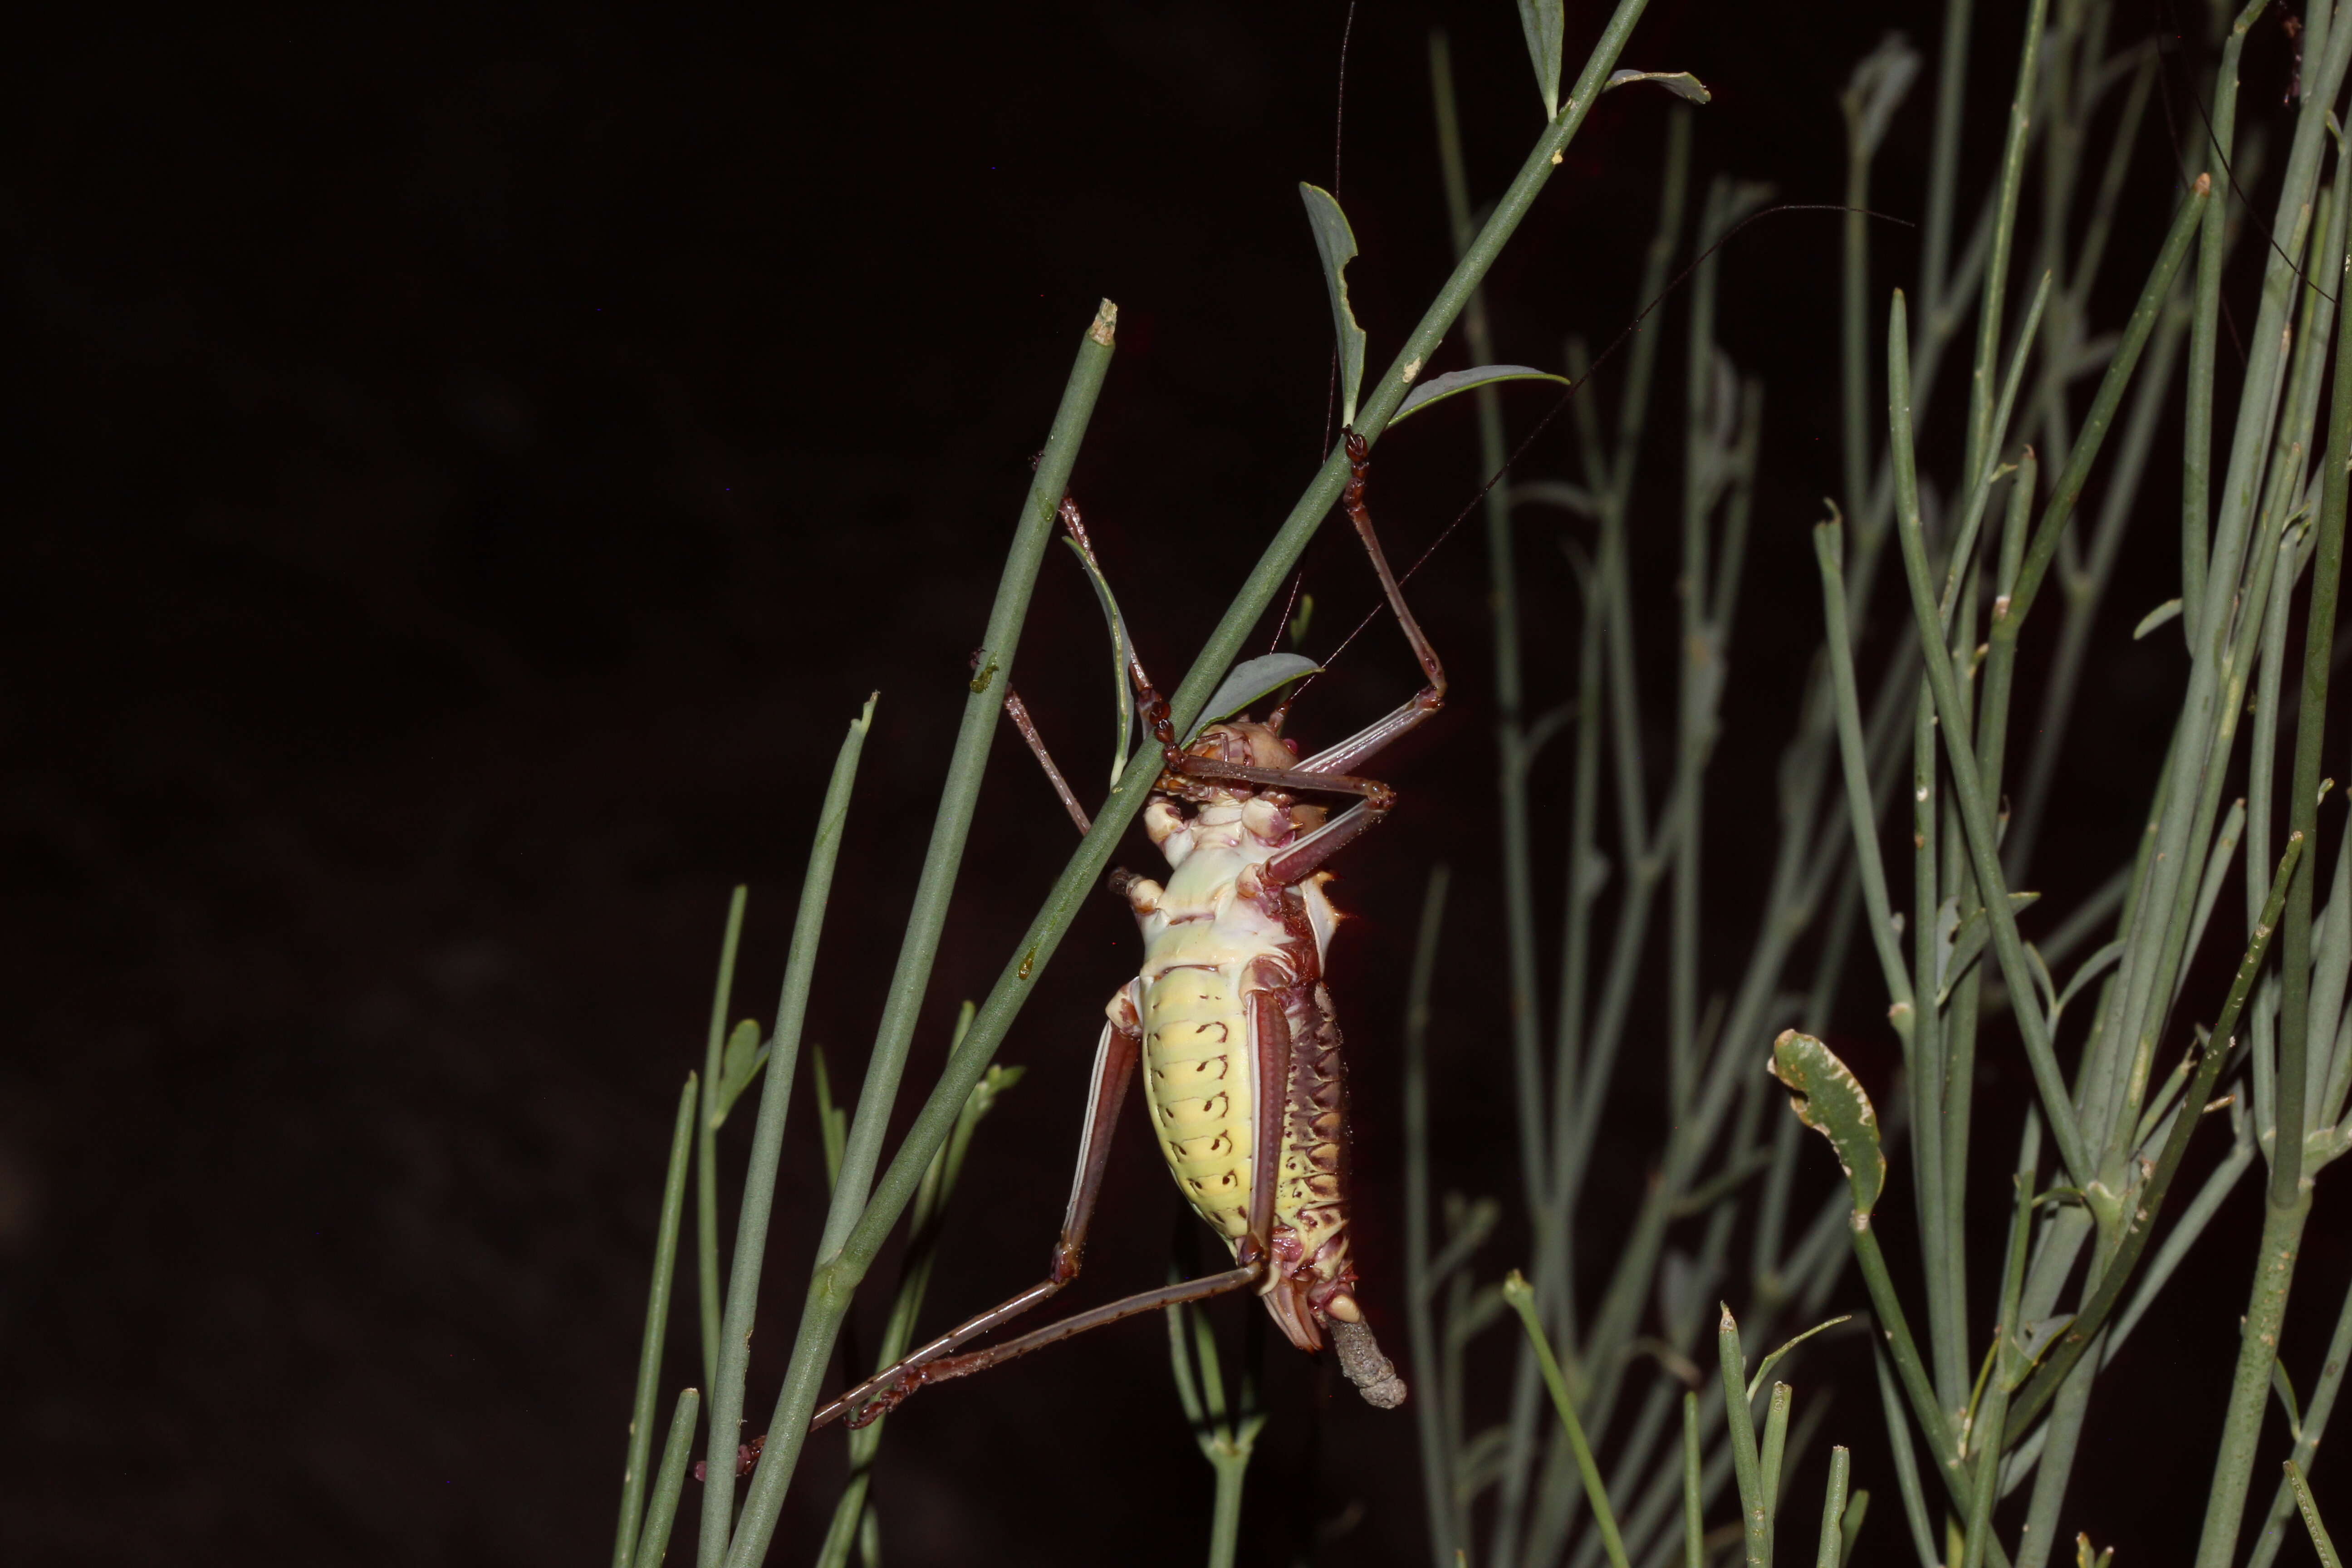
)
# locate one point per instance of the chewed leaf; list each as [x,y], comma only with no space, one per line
[744,1057]
[1337,242]
[1831,1101]
[1124,698]
[1543,23]
[1682,84]
[1443,386]
[1251,679]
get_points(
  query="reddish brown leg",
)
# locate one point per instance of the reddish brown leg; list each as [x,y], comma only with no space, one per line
[1270,1032]
[1018,711]
[1363,745]
[964,1365]
[1156,710]
[1114,1066]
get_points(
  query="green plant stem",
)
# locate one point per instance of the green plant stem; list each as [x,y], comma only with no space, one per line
[1503,608]
[2196,439]
[841,1265]
[2302,794]
[1768,1465]
[707,1146]
[650,1357]
[1437,1455]
[1944,159]
[1746,1464]
[831,1284]
[768,1142]
[1520,1295]
[1981,438]
[1830,554]
[1976,814]
[1991,1416]
[2316,1409]
[2319,1537]
[661,1511]
[1907,1467]
[1833,1537]
[2149,1204]
[1693,1524]
[2250,1387]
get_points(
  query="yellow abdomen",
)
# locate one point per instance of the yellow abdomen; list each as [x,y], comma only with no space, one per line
[1196,1060]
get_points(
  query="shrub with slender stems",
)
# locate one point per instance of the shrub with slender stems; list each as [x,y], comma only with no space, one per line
[1607,1439]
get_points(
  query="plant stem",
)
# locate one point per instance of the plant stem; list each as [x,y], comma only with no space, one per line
[2249,1388]
[1437,1457]
[842,1263]
[2302,794]
[707,1146]
[768,1144]
[641,1413]
[2149,1203]
[1832,1539]
[1693,1527]
[1521,1297]
[2319,1538]
[1503,607]
[662,1511]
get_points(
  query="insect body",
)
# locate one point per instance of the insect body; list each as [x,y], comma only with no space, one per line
[1231,1021]
[1237,1027]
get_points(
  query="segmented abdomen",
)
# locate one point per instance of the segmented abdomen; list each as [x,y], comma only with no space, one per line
[1196,1060]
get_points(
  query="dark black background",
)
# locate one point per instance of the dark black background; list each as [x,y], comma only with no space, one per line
[470,468]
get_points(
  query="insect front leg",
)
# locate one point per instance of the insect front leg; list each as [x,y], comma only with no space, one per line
[1369,742]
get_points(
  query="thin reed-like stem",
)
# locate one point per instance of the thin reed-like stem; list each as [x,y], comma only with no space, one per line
[854,1232]
[706,1161]
[768,1141]
[1437,1454]
[661,1510]
[650,1357]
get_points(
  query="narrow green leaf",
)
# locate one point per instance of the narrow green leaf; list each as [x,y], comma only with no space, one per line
[1764,1367]
[1830,1100]
[1335,242]
[1682,84]
[832,1121]
[1437,388]
[2284,1387]
[1299,622]
[1545,26]
[1857,1509]
[746,1054]
[1251,679]
[2168,611]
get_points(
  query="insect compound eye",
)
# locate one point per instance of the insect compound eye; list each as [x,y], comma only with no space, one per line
[1286,741]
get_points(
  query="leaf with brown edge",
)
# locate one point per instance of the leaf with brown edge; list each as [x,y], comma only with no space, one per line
[1830,1100]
